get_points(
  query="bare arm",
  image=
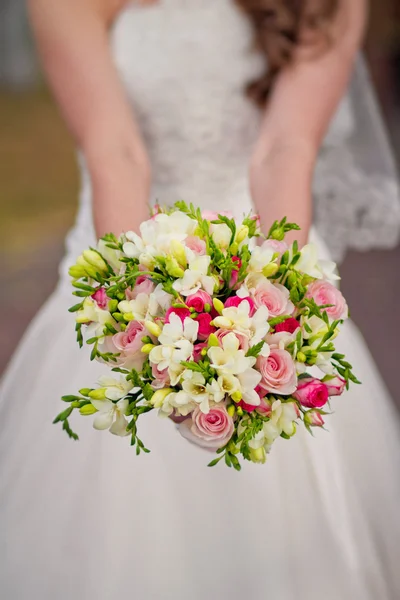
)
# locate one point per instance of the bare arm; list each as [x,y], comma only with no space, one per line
[72,36]
[299,111]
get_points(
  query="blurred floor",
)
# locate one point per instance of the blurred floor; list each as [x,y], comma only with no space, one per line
[38,199]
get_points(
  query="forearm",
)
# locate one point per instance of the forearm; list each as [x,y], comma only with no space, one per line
[302,104]
[72,37]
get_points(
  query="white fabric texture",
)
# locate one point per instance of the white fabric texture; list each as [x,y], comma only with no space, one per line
[89,520]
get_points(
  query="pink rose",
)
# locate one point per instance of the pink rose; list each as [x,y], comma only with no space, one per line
[235,271]
[101,298]
[311,392]
[197,349]
[236,301]
[264,408]
[276,245]
[198,300]
[275,297]
[212,430]
[247,407]
[182,313]
[197,245]
[143,285]
[242,338]
[161,378]
[205,327]
[313,418]
[129,344]
[211,215]
[290,325]
[336,386]
[278,372]
[324,292]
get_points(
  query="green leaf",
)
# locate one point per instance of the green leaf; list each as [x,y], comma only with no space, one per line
[76,307]
[255,350]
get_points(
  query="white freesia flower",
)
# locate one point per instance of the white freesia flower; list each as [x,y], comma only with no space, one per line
[282,420]
[115,389]
[143,307]
[111,255]
[221,234]
[235,317]
[163,299]
[180,401]
[95,317]
[194,384]
[176,342]
[259,328]
[228,359]
[111,416]
[195,276]
[313,327]
[261,256]
[309,264]
[248,382]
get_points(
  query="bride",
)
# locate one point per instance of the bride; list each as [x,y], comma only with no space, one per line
[159,111]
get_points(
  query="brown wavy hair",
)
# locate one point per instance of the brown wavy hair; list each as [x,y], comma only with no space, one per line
[281,27]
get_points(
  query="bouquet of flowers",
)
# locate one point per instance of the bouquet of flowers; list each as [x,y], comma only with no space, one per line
[228,332]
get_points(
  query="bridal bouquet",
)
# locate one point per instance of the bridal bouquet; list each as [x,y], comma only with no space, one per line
[200,317]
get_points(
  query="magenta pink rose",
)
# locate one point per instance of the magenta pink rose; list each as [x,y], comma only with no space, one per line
[235,271]
[129,344]
[336,386]
[205,327]
[197,350]
[101,298]
[236,301]
[242,338]
[198,300]
[247,407]
[311,392]
[161,378]
[290,325]
[264,408]
[197,245]
[313,418]
[182,313]
[143,285]
[212,430]
[278,372]
[324,292]
[275,297]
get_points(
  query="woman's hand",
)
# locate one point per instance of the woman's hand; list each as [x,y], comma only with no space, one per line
[120,186]
[280,184]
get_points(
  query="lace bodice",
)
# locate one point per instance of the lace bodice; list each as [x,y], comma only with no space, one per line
[184,65]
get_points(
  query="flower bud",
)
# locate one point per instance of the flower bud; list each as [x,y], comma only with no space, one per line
[258,455]
[239,411]
[301,357]
[112,305]
[178,252]
[237,396]
[173,268]
[207,308]
[212,340]
[270,270]
[218,305]
[85,391]
[153,328]
[147,348]
[242,234]
[234,248]
[159,396]
[87,410]
[278,234]
[94,259]
[77,272]
[231,410]
[99,394]
[313,418]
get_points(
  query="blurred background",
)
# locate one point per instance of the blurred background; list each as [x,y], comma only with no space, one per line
[39,188]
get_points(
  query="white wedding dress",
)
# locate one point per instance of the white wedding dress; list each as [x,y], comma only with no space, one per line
[89,520]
